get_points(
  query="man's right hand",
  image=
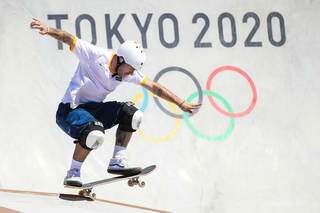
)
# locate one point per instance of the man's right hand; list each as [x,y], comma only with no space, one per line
[58,34]
[36,24]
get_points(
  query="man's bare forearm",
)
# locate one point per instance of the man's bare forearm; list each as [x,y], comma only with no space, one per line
[61,35]
[166,94]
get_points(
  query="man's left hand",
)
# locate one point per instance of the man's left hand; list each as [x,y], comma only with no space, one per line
[186,107]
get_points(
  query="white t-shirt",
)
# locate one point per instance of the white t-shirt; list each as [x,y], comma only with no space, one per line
[93,80]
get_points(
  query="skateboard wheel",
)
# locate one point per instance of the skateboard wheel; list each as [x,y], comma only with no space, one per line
[81,192]
[142,184]
[130,183]
[94,195]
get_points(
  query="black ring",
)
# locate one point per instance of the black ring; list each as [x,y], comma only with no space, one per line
[196,82]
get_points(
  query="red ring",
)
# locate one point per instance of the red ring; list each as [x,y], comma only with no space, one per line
[246,76]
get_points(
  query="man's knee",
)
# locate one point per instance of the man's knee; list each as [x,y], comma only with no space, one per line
[130,117]
[93,136]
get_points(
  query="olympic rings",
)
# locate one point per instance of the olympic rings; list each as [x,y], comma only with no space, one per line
[196,82]
[145,97]
[246,76]
[185,116]
[226,134]
[164,138]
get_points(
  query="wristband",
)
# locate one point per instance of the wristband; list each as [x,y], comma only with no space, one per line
[181,103]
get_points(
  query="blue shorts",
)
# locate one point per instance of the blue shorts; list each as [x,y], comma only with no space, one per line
[74,121]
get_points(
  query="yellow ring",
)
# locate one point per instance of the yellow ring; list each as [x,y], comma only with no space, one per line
[166,137]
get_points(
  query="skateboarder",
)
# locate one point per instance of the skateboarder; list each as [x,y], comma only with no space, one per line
[84,116]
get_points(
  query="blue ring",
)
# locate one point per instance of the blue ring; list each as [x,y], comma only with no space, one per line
[145,100]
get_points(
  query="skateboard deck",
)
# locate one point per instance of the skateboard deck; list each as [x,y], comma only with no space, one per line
[86,189]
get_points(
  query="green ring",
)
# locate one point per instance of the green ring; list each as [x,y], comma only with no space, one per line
[194,131]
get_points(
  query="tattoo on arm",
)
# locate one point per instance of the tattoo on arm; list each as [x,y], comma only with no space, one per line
[61,35]
[166,94]
[158,90]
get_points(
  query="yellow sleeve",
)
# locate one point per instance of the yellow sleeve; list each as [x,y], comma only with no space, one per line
[73,43]
[144,80]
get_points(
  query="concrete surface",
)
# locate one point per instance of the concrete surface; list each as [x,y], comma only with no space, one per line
[265,158]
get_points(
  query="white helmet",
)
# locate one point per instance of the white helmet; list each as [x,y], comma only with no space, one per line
[132,54]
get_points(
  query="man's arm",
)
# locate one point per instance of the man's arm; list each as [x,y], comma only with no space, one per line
[60,35]
[166,94]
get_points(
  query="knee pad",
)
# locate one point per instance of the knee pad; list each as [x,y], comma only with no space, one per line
[93,136]
[129,117]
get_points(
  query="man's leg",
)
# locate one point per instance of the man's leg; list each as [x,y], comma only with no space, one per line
[129,120]
[80,153]
[73,175]
[79,124]
[118,163]
[122,138]
[122,141]
[91,138]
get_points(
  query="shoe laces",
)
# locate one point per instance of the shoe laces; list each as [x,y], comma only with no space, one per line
[122,160]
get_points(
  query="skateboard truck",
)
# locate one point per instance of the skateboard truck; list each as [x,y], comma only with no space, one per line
[87,193]
[135,181]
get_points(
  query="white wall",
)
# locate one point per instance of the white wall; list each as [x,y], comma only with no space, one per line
[269,163]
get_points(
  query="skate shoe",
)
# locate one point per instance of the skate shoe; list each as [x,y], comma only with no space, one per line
[119,166]
[73,178]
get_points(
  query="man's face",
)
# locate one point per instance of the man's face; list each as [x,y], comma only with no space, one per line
[125,69]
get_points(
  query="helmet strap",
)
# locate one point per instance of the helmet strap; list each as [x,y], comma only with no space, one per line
[120,61]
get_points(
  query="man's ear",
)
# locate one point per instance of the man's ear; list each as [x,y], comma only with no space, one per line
[121,60]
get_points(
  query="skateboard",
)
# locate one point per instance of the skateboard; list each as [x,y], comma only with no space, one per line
[86,189]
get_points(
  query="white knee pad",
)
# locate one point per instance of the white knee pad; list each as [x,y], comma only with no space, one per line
[136,120]
[94,139]
[93,136]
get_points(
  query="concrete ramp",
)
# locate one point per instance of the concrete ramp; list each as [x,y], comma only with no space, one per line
[254,145]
